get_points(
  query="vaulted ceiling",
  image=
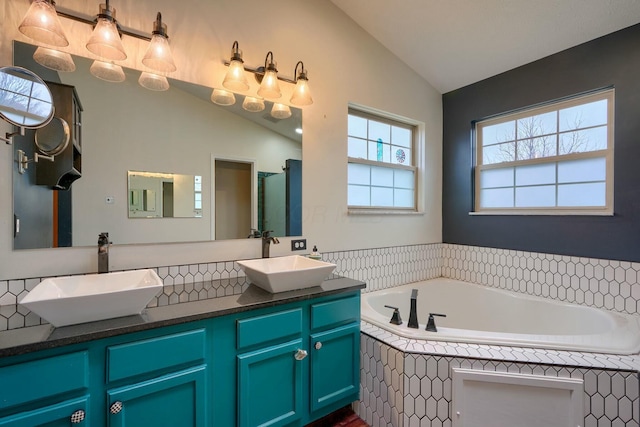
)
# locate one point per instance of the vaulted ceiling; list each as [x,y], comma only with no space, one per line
[453,43]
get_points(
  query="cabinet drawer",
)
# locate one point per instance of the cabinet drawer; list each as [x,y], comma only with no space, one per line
[336,312]
[155,354]
[39,379]
[270,327]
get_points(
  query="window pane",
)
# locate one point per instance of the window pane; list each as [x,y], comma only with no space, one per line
[379,130]
[381,196]
[357,148]
[401,136]
[358,195]
[401,156]
[496,178]
[379,151]
[358,174]
[583,140]
[501,132]
[536,174]
[40,91]
[541,124]
[497,198]
[403,198]
[582,194]
[404,179]
[538,196]
[499,153]
[583,170]
[585,115]
[357,127]
[536,148]
[382,177]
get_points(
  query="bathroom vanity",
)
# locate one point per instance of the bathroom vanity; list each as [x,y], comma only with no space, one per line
[246,360]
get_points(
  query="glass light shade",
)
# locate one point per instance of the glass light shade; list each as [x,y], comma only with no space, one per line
[54,59]
[223,97]
[41,23]
[269,88]
[153,81]
[236,79]
[253,104]
[280,111]
[301,95]
[107,71]
[158,56]
[105,40]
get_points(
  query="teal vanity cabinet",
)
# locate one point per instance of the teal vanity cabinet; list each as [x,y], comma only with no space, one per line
[152,378]
[291,364]
[52,391]
[159,381]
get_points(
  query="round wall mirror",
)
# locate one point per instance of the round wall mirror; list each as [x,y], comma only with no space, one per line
[25,99]
[53,138]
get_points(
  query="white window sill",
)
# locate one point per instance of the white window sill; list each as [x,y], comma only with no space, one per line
[542,212]
[382,212]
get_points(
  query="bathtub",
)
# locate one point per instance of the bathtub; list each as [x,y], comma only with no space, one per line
[483,315]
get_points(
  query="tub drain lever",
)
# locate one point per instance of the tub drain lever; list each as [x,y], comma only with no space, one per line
[431,323]
[395,319]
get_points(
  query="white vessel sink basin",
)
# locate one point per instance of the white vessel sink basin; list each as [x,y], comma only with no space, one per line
[77,299]
[286,273]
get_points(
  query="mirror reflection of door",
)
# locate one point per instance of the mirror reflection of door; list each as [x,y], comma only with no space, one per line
[167,199]
[275,204]
[232,199]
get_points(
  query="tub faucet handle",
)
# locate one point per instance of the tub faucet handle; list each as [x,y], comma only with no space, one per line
[395,319]
[431,323]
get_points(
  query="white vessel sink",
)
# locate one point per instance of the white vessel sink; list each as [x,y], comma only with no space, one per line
[77,299]
[286,273]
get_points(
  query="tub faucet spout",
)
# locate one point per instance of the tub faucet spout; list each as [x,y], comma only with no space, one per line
[413,314]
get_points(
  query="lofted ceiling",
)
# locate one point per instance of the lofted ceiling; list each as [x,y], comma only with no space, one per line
[453,43]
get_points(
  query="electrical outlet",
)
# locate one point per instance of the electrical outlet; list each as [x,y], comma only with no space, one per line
[299,244]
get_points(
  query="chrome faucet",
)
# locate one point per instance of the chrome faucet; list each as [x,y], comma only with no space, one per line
[103,252]
[413,315]
[267,239]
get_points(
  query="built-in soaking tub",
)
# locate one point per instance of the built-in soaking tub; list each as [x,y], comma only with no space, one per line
[484,315]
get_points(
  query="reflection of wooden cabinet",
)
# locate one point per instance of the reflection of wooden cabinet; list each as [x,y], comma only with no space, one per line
[67,166]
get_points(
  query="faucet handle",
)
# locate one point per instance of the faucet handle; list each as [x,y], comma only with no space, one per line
[395,318]
[431,323]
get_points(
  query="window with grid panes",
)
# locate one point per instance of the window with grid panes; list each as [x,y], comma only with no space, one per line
[382,171]
[552,159]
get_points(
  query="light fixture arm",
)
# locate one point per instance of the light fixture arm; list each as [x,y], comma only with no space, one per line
[303,73]
[235,53]
[158,28]
[271,66]
[74,16]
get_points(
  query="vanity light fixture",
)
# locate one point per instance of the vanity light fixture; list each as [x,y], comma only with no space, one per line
[153,81]
[301,94]
[41,24]
[158,56]
[236,79]
[105,40]
[54,59]
[280,111]
[253,104]
[223,97]
[107,71]
[269,87]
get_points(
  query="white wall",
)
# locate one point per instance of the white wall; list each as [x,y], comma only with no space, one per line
[345,65]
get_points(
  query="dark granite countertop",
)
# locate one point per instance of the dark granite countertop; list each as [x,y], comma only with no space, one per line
[34,338]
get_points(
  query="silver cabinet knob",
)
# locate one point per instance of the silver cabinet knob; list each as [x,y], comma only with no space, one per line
[77,417]
[300,354]
[318,345]
[116,407]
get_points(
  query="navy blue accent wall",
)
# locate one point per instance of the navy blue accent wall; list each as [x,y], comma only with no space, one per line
[612,60]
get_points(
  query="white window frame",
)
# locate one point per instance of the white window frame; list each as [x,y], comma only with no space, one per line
[417,166]
[607,154]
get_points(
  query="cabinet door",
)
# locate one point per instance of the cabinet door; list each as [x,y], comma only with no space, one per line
[178,399]
[335,365]
[270,385]
[68,413]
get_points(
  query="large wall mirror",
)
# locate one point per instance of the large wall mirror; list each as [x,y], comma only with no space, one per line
[244,168]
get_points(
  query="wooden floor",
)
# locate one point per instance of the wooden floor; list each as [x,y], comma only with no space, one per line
[344,417]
